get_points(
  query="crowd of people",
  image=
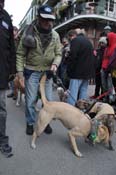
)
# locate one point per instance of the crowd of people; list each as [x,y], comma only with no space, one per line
[39,49]
[105,66]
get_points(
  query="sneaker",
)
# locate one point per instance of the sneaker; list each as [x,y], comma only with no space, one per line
[6,150]
[29,129]
[10,95]
[48,129]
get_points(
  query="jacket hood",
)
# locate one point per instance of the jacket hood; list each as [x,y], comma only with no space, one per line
[111,44]
[111,38]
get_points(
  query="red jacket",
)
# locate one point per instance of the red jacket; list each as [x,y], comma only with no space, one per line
[109,50]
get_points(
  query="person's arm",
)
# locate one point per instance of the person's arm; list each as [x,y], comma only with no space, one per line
[12,56]
[58,55]
[20,58]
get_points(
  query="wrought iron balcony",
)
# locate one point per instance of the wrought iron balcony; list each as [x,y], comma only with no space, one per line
[69,12]
[103,8]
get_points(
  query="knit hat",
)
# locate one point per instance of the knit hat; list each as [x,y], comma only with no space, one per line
[103,39]
[46,12]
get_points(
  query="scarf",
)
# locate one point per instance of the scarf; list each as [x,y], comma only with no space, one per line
[45,36]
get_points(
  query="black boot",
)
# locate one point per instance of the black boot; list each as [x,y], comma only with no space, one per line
[48,129]
[14,97]
[29,129]
[10,95]
[5,149]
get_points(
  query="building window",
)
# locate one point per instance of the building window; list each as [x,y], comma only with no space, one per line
[111,5]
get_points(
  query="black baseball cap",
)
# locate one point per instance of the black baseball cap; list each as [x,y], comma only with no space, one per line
[46,12]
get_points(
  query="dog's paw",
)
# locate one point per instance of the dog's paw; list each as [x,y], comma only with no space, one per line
[33,145]
[78,154]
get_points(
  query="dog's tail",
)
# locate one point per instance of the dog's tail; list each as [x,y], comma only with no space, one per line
[42,89]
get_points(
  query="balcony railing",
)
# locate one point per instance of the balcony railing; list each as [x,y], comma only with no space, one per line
[65,11]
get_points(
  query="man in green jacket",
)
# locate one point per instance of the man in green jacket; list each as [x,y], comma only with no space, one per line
[39,50]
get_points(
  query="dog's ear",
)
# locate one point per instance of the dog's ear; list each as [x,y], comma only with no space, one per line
[106,140]
[81,104]
[103,133]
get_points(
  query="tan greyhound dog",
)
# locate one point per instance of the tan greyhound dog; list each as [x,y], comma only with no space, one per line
[72,118]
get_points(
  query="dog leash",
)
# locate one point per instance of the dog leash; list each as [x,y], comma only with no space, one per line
[99,97]
[59,82]
[89,108]
[105,93]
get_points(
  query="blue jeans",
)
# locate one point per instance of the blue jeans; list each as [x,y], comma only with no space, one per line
[31,93]
[78,90]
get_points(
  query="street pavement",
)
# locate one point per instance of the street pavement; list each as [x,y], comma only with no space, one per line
[53,155]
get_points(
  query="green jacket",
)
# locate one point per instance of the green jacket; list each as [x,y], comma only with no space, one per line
[34,58]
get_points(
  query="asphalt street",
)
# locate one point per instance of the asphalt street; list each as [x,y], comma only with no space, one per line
[53,155]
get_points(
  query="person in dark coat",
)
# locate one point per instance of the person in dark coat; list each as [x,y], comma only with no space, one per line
[106,71]
[100,52]
[62,70]
[7,69]
[81,66]
[11,83]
